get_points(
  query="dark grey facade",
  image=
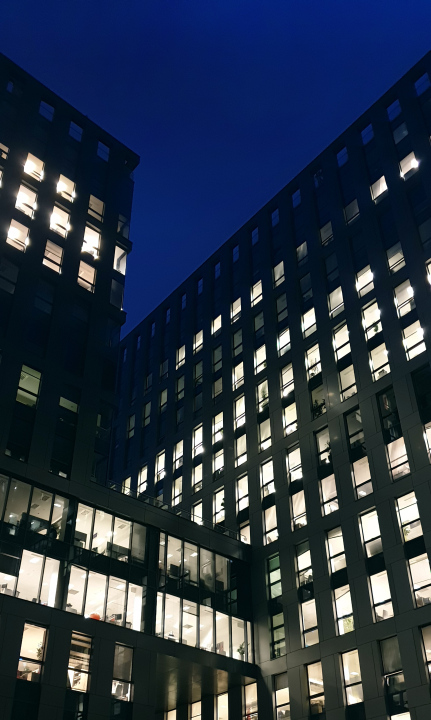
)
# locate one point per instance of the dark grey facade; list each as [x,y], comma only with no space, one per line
[283,392]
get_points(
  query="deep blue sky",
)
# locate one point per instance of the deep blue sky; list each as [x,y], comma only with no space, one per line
[225,101]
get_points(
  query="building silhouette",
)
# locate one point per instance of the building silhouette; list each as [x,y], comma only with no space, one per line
[225,515]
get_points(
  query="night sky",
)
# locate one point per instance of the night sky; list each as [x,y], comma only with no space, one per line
[224,101]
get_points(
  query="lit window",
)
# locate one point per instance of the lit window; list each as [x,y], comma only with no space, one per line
[86,276]
[283,341]
[244,532]
[370,527]
[400,132]
[143,479]
[122,686]
[326,233]
[256,293]
[286,380]
[217,271]
[351,211]
[296,198]
[426,636]
[259,359]
[340,341]
[403,297]
[310,632]
[408,516]
[177,490]
[342,157]
[235,310]
[315,689]
[312,361]
[78,672]
[66,188]
[59,221]
[299,514]
[278,272]
[262,396]
[367,134]
[34,167]
[282,697]
[274,576]
[96,207]
[254,236]
[264,430]
[198,341]
[217,428]
[335,302]
[270,524]
[371,320]
[393,110]
[278,637]
[197,441]
[197,513]
[4,152]
[329,495]
[216,325]
[29,386]
[238,376]
[102,151]
[26,201]
[352,678]
[197,477]
[408,165]
[364,281]
[290,419]
[323,443]
[32,653]
[120,259]
[178,454]
[413,340]
[17,236]
[293,463]
[395,257]
[242,499]
[381,595]
[302,254]
[344,610]
[336,554]
[240,450]
[309,323]
[379,362]
[361,477]
[75,131]
[53,256]
[267,478]
[181,356]
[47,111]
[219,513]
[378,188]
[397,459]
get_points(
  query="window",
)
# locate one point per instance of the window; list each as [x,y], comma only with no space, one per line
[379,362]
[340,341]
[197,476]
[264,431]
[278,273]
[287,383]
[422,84]
[351,211]
[381,596]
[367,134]
[235,253]
[395,258]
[183,301]
[8,276]
[331,267]
[256,293]
[96,208]
[326,234]
[28,387]
[244,532]
[53,256]
[426,637]
[344,610]
[408,517]
[312,361]
[146,414]
[262,397]
[217,428]
[102,151]
[178,454]
[393,110]
[116,296]
[304,568]
[59,221]
[293,463]
[308,323]
[298,510]
[275,217]
[163,400]
[250,698]
[160,467]
[217,358]
[78,672]
[270,525]
[219,513]
[342,157]
[181,356]
[217,271]
[361,477]
[222,707]
[296,198]
[239,412]
[238,376]
[91,243]
[290,419]
[282,697]
[177,490]
[393,677]
[421,579]
[198,341]
[413,340]
[369,523]
[274,576]
[26,201]
[237,342]
[4,152]
[34,167]
[267,478]
[242,499]
[283,342]
[164,369]
[278,636]
[352,677]
[336,554]
[240,450]
[324,455]
[216,325]
[397,459]
[408,165]
[258,325]
[198,373]
[142,479]
[66,188]
[235,310]
[255,236]
[47,111]
[378,189]
[335,302]
[75,131]
[318,401]
[400,132]
[364,281]
[197,447]
[179,388]
[32,653]
[329,495]
[130,426]
[306,289]
[355,432]
[122,686]
[259,359]
[302,254]
[316,689]
[17,236]
[404,298]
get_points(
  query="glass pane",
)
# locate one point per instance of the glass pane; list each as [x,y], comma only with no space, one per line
[123,659]
[49,583]
[190,572]
[222,634]
[115,605]
[29,576]
[134,607]
[102,532]
[17,503]
[206,569]
[84,519]
[138,543]
[75,593]
[60,512]
[121,539]
[238,639]
[40,510]
[190,623]
[206,628]
[95,596]
[172,618]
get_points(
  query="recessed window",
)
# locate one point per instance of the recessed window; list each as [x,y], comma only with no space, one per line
[378,188]
[122,686]
[217,271]
[286,380]
[351,211]
[393,110]
[259,359]
[302,254]
[198,341]
[329,495]
[281,304]
[75,131]
[235,310]
[408,516]
[371,320]
[34,167]
[379,363]
[278,273]
[312,361]
[46,110]
[335,302]
[262,396]
[218,507]
[256,293]
[309,323]
[59,221]
[267,479]
[216,325]
[342,157]
[331,267]
[296,198]
[369,523]
[290,419]
[275,217]
[395,258]
[238,376]
[181,356]
[96,208]
[283,342]
[364,281]
[53,256]
[361,477]
[255,236]
[28,386]
[326,233]
[413,340]
[400,133]
[66,188]
[120,259]
[242,498]
[408,165]
[352,678]
[235,253]
[86,276]
[102,151]
[404,298]
[26,201]
[344,610]
[421,579]
[4,152]
[381,596]
[17,235]
[422,84]
[78,672]
[347,382]
[367,134]
[91,243]
[306,289]
[239,412]
[32,653]
[270,525]
[341,341]
[240,450]
[197,477]
[264,432]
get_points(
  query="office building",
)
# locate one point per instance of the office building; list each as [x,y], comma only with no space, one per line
[283,392]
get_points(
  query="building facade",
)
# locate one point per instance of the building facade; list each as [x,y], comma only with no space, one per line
[282,392]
